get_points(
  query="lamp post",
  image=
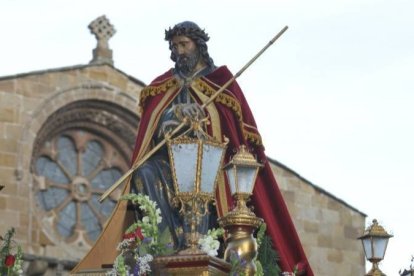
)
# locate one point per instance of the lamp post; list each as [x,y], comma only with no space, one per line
[195,165]
[241,222]
[374,241]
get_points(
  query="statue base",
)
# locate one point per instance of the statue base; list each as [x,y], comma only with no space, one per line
[190,265]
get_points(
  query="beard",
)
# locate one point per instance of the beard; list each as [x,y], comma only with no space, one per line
[186,63]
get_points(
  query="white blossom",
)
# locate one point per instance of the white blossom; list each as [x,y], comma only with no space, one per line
[209,245]
[124,244]
[143,263]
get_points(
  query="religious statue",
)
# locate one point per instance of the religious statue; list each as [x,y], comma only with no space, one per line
[188,47]
[180,92]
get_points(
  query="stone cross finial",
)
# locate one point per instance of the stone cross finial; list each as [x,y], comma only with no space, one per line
[103,31]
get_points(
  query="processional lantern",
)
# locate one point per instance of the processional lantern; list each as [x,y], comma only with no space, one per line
[375,241]
[241,222]
[241,172]
[196,162]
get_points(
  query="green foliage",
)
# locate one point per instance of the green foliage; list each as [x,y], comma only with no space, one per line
[259,268]
[215,233]
[10,255]
[120,266]
[142,240]
[267,256]
[149,223]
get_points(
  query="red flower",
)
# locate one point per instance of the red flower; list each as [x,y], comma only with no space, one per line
[138,234]
[9,260]
[134,235]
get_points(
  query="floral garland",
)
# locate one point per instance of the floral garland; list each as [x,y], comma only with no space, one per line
[143,241]
[10,255]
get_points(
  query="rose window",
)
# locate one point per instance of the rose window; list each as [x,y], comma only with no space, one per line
[73,165]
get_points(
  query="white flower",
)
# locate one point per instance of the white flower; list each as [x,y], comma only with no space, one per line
[143,263]
[209,245]
[124,244]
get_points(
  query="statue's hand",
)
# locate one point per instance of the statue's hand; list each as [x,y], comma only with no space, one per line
[168,126]
[192,111]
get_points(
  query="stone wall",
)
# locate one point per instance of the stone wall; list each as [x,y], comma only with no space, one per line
[327,226]
[26,103]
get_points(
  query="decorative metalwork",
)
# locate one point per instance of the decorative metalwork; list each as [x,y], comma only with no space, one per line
[195,165]
[375,240]
[241,222]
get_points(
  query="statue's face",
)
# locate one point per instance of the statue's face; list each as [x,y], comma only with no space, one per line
[182,45]
[187,54]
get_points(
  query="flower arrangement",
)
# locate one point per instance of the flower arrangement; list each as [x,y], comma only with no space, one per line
[10,255]
[142,240]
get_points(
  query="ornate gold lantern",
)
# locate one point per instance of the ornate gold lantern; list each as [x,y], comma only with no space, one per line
[241,222]
[374,242]
[195,165]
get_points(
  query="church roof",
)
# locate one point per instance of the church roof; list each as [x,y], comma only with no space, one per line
[70,68]
[319,189]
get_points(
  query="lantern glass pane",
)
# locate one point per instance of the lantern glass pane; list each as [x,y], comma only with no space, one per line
[245,178]
[366,243]
[231,176]
[210,166]
[185,165]
[380,245]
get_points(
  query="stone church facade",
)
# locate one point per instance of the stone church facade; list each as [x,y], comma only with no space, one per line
[67,134]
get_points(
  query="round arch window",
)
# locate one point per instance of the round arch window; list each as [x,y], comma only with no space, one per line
[80,152]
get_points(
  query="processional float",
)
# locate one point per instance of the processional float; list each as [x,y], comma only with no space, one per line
[196,161]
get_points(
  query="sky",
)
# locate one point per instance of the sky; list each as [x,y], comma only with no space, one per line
[333,97]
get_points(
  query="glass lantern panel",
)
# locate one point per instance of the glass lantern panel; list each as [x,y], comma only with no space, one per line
[231,176]
[210,166]
[185,165]
[245,179]
[366,243]
[380,245]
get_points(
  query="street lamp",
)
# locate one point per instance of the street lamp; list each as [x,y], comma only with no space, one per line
[241,222]
[195,165]
[374,241]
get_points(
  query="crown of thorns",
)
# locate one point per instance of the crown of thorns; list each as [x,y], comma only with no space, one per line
[186,28]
